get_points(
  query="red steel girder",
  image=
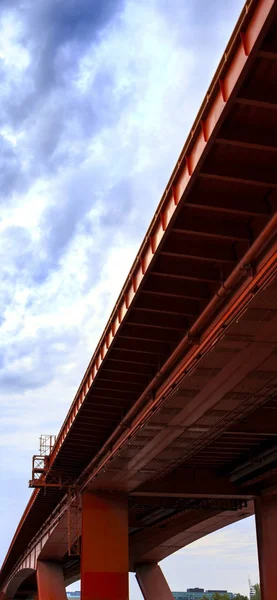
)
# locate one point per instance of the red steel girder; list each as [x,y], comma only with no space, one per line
[237,61]
[229,72]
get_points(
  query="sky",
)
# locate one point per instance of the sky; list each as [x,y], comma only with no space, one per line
[96,100]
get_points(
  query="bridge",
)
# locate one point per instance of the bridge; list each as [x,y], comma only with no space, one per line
[172,433]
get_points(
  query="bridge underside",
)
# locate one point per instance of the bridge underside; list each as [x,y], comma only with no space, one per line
[176,413]
[108,551]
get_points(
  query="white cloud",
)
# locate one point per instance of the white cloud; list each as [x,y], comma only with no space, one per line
[235,546]
[222,560]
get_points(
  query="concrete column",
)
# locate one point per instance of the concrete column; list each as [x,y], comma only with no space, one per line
[104,548]
[152,582]
[50,581]
[266,527]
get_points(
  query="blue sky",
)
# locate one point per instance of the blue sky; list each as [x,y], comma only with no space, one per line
[96,100]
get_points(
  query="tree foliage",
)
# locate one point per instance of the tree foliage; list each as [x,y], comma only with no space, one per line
[257,595]
[218,596]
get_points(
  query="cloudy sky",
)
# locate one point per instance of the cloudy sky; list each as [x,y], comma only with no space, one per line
[96,100]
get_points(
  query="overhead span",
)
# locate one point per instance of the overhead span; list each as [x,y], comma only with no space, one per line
[209,249]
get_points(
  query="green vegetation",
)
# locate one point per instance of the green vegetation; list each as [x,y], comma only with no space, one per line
[218,596]
[257,595]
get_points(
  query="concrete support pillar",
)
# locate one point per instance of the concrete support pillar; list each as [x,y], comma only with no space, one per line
[50,581]
[104,549]
[152,582]
[266,526]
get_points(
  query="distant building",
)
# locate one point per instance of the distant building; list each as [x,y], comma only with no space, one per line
[230,594]
[198,593]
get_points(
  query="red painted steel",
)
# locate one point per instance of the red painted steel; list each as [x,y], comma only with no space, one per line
[266,525]
[180,531]
[194,287]
[194,149]
[50,581]
[237,307]
[104,550]
[17,580]
[152,582]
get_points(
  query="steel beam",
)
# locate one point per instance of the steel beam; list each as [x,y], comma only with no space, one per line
[227,378]
[256,103]
[156,542]
[236,179]
[152,582]
[189,482]
[224,88]
[266,524]
[248,145]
